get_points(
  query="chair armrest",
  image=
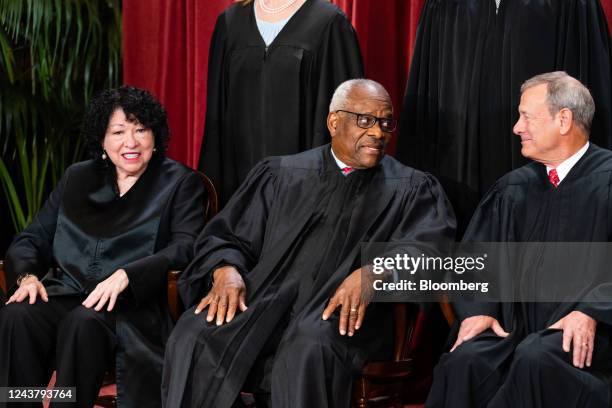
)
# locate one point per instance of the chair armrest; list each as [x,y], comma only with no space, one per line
[447,310]
[174,303]
[2,277]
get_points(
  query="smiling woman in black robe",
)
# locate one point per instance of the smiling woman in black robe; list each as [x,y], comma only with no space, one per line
[111,229]
[272,100]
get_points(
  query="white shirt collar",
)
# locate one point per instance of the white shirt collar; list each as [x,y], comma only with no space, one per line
[339,162]
[564,168]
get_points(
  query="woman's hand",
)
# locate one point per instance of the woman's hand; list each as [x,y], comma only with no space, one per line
[107,291]
[32,287]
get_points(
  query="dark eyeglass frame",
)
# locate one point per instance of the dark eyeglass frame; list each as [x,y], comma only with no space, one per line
[373,119]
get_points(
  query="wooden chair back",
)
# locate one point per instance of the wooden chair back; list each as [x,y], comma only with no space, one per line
[448,312]
[211,207]
[2,277]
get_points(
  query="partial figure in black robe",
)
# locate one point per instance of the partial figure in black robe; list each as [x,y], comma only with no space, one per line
[293,231]
[529,367]
[85,232]
[264,101]
[469,60]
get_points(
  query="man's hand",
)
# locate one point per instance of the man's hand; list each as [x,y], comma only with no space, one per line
[579,332]
[473,326]
[227,294]
[107,291]
[29,287]
[354,303]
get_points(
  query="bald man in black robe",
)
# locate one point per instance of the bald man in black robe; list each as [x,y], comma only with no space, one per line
[539,354]
[285,316]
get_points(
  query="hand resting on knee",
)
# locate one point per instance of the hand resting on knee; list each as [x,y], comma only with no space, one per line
[29,286]
[474,325]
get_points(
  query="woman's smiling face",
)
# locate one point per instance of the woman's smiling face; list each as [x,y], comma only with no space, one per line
[128,144]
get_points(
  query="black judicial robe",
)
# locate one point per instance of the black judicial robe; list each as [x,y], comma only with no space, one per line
[86,231]
[293,230]
[267,101]
[464,85]
[523,206]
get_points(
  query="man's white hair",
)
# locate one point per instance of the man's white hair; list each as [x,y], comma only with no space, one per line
[565,91]
[340,99]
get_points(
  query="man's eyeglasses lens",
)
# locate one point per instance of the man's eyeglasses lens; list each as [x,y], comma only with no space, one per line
[366,121]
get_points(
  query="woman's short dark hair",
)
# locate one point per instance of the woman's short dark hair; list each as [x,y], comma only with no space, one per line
[138,105]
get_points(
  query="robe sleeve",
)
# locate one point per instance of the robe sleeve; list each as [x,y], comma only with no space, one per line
[215,103]
[602,310]
[148,276]
[428,215]
[599,306]
[490,223]
[234,237]
[339,59]
[32,249]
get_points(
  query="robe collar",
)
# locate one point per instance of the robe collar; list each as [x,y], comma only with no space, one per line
[564,168]
[287,31]
[339,162]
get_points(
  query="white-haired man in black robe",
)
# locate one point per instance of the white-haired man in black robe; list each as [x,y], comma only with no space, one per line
[275,289]
[539,354]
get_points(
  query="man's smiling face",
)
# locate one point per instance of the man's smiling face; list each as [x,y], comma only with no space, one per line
[538,129]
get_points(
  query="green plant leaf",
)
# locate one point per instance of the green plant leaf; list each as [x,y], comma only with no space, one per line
[19,221]
[8,60]
[54,54]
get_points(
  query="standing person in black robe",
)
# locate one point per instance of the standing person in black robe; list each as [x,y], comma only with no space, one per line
[539,354]
[469,60]
[268,99]
[285,313]
[111,229]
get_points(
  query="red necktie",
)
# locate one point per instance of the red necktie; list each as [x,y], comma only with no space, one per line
[347,170]
[553,177]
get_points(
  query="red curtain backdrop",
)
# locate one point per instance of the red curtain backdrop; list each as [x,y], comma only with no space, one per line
[165,46]
[165,50]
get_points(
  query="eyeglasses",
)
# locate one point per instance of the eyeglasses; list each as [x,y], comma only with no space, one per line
[366,121]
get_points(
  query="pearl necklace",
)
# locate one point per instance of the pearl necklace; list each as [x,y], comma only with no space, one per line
[275,10]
